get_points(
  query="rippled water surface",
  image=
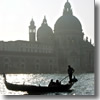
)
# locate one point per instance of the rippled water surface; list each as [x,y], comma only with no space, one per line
[84,86]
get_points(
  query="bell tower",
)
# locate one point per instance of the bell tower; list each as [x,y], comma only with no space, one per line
[32,31]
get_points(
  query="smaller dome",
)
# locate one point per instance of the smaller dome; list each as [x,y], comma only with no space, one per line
[44,29]
[44,33]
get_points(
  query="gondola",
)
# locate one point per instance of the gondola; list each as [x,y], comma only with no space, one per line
[32,89]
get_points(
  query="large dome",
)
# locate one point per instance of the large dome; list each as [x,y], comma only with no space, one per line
[68,22]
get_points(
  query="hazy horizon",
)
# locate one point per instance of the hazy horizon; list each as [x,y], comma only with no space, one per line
[15,16]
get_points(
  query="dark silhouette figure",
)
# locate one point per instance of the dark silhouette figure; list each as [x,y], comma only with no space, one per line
[51,83]
[70,72]
[57,82]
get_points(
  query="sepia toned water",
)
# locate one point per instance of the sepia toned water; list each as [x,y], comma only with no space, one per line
[84,86]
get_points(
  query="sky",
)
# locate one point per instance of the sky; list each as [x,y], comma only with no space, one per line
[15,16]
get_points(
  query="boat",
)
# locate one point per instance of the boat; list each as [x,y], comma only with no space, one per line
[33,89]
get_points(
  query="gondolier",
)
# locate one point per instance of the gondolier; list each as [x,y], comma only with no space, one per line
[70,72]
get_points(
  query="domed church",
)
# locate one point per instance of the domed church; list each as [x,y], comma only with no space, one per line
[49,51]
[70,48]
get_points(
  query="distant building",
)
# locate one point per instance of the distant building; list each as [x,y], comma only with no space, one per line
[49,51]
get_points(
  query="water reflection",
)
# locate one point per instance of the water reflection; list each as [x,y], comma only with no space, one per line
[85,85]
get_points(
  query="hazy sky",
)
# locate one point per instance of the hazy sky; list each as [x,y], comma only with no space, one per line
[15,16]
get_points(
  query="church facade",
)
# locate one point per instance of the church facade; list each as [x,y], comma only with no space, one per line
[49,51]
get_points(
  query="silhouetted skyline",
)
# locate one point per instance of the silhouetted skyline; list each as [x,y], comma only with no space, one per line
[16,14]
[64,46]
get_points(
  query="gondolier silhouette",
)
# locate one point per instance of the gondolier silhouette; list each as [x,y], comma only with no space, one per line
[70,72]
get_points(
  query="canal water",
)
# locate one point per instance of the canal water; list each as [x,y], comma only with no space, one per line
[84,86]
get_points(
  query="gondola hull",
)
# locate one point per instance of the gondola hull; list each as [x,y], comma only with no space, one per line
[32,89]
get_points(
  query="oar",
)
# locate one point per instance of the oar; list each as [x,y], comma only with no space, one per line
[64,78]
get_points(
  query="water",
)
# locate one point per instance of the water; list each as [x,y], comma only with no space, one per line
[84,86]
